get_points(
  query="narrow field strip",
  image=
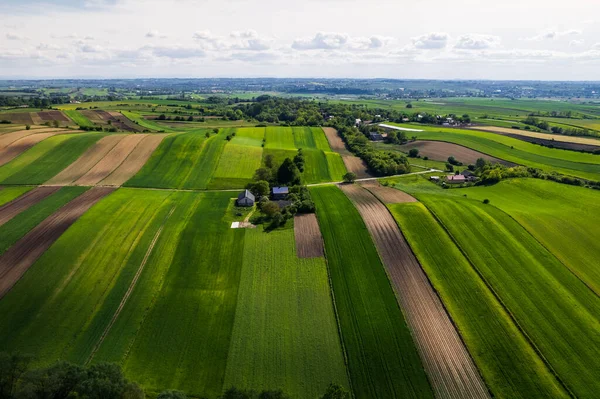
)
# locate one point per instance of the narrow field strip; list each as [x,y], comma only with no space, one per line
[130,289]
[382,359]
[551,304]
[8,194]
[309,241]
[285,333]
[15,262]
[509,364]
[18,147]
[387,195]
[110,161]
[352,163]
[86,161]
[447,362]
[13,208]
[8,138]
[134,162]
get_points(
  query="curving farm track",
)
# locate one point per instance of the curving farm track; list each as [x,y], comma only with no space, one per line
[450,368]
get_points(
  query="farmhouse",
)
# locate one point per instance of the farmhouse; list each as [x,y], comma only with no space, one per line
[280,193]
[456,179]
[375,136]
[245,199]
[470,176]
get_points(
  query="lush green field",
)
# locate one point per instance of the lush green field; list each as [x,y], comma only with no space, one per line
[79,118]
[48,158]
[175,162]
[565,219]
[8,194]
[556,310]
[145,123]
[280,138]
[240,158]
[285,333]
[382,358]
[174,329]
[567,162]
[20,225]
[508,363]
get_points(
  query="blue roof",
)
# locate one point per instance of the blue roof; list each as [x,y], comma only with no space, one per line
[281,190]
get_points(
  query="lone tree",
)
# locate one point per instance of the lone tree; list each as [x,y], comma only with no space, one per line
[288,173]
[335,391]
[413,153]
[349,177]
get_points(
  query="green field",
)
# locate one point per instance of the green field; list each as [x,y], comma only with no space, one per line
[280,138]
[8,194]
[48,158]
[285,333]
[382,359]
[79,118]
[567,162]
[556,310]
[20,225]
[508,363]
[177,161]
[145,123]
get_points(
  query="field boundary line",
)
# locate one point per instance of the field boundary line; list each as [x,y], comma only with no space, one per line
[124,159]
[504,306]
[335,311]
[436,292]
[131,287]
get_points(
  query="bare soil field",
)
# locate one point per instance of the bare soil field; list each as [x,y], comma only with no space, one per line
[387,195]
[556,140]
[49,116]
[440,151]
[23,254]
[309,241]
[134,162]
[111,161]
[353,163]
[115,118]
[14,149]
[11,137]
[450,368]
[86,161]
[23,118]
[24,202]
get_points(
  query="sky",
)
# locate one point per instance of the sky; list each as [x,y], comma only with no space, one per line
[426,39]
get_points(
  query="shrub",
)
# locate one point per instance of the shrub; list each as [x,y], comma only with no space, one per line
[486,201]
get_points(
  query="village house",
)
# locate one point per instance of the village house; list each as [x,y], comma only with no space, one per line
[376,136]
[456,179]
[280,193]
[469,175]
[246,199]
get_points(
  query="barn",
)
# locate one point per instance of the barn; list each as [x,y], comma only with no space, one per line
[246,199]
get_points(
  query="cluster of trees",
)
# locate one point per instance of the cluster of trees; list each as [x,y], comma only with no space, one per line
[299,200]
[533,121]
[19,380]
[34,102]
[380,163]
[163,117]
[568,131]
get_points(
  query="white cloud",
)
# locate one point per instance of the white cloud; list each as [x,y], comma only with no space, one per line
[596,46]
[14,36]
[178,52]
[576,43]
[477,42]
[435,40]
[249,40]
[152,34]
[321,41]
[553,34]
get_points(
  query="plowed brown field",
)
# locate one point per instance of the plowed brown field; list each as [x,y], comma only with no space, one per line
[387,195]
[23,254]
[134,162]
[27,200]
[353,163]
[86,161]
[446,360]
[309,241]
[15,148]
[8,138]
[111,161]
[440,151]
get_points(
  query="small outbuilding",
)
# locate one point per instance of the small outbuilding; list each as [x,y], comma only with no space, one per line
[246,199]
[456,179]
[280,193]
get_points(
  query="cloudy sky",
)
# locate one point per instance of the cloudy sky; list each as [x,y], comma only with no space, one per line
[511,39]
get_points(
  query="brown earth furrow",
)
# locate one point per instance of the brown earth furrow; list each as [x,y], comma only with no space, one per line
[387,195]
[134,162]
[309,241]
[111,161]
[23,254]
[445,358]
[20,146]
[441,151]
[8,138]
[353,163]
[86,161]
[24,202]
